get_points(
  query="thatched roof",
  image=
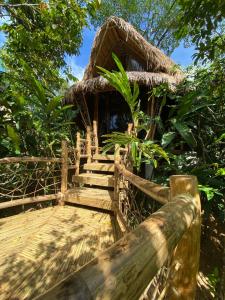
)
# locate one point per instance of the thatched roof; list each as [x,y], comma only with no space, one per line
[100,84]
[120,37]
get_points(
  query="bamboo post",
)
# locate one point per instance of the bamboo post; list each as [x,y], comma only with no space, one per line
[88,144]
[95,132]
[77,163]
[64,172]
[116,174]
[185,259]
[116,197]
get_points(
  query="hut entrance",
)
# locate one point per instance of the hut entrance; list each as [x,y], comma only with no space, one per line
[113,114]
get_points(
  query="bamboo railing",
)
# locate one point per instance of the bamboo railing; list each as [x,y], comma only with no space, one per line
[30,180]
[171,234]
[124,270]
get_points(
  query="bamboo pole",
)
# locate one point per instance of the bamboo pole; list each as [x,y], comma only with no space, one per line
[185,259]
[116,198]
[9,160]
[64,172]
[78,154]
[95,132]
[124,270]
[157,192]
[88,144]
[29,200]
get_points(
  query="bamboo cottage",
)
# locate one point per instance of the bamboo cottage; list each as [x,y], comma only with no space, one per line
[144,63]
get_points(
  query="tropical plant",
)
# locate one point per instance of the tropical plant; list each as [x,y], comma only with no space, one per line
[193,133]
[32,124]
[142,150]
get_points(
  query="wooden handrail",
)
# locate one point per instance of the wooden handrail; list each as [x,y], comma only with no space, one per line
[9,160]
[29,200]
[155,191]
[124,270]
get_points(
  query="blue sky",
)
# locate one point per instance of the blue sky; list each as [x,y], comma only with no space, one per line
[181,55]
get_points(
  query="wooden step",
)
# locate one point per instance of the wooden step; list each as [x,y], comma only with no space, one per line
[91,197]
[103,156]
[94,179]
[99,167]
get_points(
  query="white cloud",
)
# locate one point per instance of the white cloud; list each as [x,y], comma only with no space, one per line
[76,69]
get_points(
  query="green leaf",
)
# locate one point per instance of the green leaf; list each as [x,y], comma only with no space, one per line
[14,137]
[185,132]
[167,138]
[53,103]
[210,192]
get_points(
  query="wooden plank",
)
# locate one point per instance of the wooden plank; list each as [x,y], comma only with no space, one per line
[103,157]
[29,200]
[124,270]
[9,160]
[45,249]
[94,179]
[99,167]
[157,192]
[94,200]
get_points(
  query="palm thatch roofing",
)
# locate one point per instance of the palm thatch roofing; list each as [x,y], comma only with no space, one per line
[120,37]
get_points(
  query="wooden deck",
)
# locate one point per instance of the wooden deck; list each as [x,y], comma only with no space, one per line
[40,248]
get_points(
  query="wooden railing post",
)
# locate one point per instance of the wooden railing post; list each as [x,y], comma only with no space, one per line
[88,144]
[95,132]
[117,182]
[185,259]
[64,172]
[116,175]
[78,152]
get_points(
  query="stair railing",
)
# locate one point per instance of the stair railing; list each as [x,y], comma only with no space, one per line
[168,240]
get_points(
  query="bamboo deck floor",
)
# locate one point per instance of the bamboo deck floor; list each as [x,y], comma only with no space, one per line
[39,248]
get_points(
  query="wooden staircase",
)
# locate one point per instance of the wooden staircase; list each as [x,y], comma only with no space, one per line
[95,183]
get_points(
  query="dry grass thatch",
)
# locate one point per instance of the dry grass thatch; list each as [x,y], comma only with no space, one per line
[100,84]
[120,37]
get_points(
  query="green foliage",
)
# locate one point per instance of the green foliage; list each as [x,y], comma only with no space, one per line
[203,21]
[154,19]
[35,124]
[193,133]
[41,34]
[142,150]
[38,35]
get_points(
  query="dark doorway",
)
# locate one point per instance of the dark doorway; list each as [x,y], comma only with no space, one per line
[114,114]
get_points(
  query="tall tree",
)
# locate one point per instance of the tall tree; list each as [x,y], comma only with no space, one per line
[203,22]
[38,35]
[155,19]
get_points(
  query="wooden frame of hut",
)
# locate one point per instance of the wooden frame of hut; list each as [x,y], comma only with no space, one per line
[144,64]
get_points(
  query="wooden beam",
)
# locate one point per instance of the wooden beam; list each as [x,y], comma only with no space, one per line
[78,154]
[29,200]
[124,270]
[185,260]
[96,106]
[64,172]
[157,192]
[95,133]
[88,144]
[9,160]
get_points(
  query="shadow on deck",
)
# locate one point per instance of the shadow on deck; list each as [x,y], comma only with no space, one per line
[40,248]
